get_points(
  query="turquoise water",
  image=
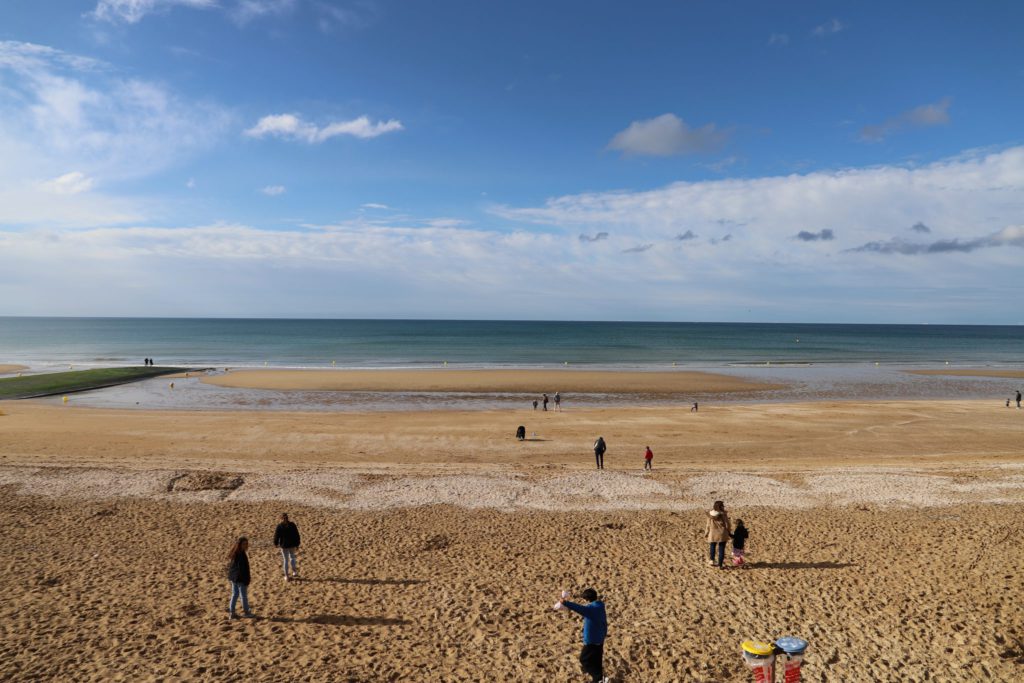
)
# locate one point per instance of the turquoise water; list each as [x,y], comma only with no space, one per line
[43,342]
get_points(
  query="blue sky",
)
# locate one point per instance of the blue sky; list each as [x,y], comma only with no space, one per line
[815,161]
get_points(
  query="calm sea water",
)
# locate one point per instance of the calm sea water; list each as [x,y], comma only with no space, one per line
[45,342]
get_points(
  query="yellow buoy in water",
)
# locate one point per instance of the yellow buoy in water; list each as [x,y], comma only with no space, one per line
[446,363]
[566,363]
[65,399]
[333,363]
[172,385]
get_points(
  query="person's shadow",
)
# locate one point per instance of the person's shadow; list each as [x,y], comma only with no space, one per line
[799,565]
[365,582]
[339,620]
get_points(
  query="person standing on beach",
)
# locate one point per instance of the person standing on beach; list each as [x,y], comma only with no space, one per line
[238,575]
[558,401]
[595,629]
[739,543]
[286,537]
[1018,399]
[648,457]
[718,532]
[545,397]
[599,449]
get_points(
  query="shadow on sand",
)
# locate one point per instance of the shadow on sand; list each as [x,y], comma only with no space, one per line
[365,582]
[339,620]
[799,565]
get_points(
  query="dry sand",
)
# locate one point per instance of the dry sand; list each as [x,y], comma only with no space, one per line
[10,369]
[490,381]
[887,534]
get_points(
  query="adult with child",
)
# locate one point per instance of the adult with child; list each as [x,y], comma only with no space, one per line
[286,537]
[238,575]
[595,629]
[718,531]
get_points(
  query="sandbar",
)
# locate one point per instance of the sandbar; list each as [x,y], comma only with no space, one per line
[1008,374]
[11,368]
[488,381]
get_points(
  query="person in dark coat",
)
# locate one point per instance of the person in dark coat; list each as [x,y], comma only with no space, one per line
[521,433]
[599,449]
[595,630]
[238,575]
[286,537]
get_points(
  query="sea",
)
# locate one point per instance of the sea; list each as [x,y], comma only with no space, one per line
[816,361]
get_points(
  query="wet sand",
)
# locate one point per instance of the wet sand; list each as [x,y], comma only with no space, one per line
[10,368]
[1009,374]
[536,381]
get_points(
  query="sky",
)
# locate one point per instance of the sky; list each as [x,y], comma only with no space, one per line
[819,161]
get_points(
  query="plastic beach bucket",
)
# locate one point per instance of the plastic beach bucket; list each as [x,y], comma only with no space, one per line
[760,659]
[794,648]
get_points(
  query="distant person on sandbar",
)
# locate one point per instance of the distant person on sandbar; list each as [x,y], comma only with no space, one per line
[238,575]
[595,629]
[1018,399]
[718,532]
[521,433]
[693,408]
[739,543]
[545,397]
[286,537]
[558,401]
[535,403]
[599,449]
[648,457]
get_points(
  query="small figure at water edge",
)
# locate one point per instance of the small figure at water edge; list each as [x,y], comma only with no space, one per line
[545,397]
[599,449]
[693,408]
[558,401]
[648,457]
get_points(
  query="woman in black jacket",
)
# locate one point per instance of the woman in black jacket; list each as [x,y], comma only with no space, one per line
[238,575]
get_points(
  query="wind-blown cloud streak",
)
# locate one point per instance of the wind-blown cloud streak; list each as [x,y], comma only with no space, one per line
[1012,236]
[936,114]
[293,127]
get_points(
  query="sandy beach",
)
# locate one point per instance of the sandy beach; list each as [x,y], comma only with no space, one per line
[536,381]
[434,543]
[11,368]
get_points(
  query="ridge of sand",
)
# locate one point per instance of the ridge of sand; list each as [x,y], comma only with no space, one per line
[1008,374]
[488,381]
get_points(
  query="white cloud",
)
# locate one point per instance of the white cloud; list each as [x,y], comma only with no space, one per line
[293,127]
[273,190]
[828,28]
[778,39]
[371,205]
[132,11]
[190,183]
[60,111]
[936,114]
[75,182]
[245,11]
[667,135]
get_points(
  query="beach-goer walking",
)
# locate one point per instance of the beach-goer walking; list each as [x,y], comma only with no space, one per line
[1018,399]
[739,543]
[599,449]
[535,404]
[545,398]
[694,407]
[521,432]
[718,532]
[286,537]
[238,575]
[595,630]
[648,457]
[558,401]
